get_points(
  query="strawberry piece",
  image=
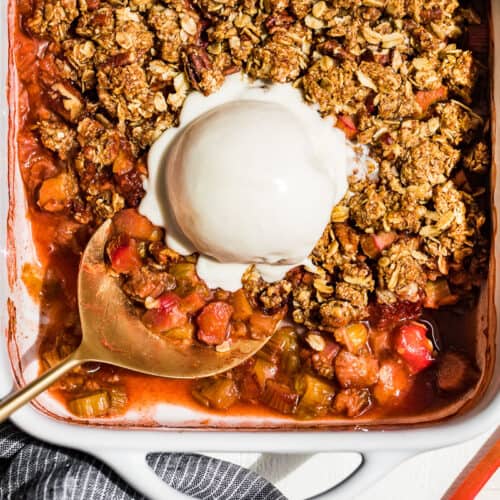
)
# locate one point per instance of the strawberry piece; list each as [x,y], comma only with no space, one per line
[192,303]
[124,254]
[373,244]
[135,225]
[347,125]
[413,345]
[393,384]
[426,98]
[213,322]
[167,315]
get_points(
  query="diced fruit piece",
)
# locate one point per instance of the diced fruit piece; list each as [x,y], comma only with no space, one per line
[168,300]
[183,271]
[262,325]
[373,244]
[242,308]
[192,303]
[437,294]
[91,405]
[280,397]
[264,370]
[380,342]
[352,336]
[356,371]
[454,372]
[426,98]
[384,315]
[246,380]
[167,315]
[135,225]
[317,396]
[186,278]
[347,125]
[284,340]
[185,332]
[413,345]
[119,398]
[383,240]
[238,329]
[290,362]
[124,254]
[250,390]
[220,294]
[393,384]
[213,322]
[219,393]
[161,320]
[57,192]
[352,402]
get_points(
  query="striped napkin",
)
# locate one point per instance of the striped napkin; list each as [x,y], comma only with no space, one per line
[34,470]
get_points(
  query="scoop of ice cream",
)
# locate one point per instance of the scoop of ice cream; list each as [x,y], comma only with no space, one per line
[246,185]
[250,176]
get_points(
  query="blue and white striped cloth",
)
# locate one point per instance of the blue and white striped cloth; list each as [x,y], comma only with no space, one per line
[34,470]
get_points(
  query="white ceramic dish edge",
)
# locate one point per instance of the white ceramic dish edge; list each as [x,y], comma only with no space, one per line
[125,450]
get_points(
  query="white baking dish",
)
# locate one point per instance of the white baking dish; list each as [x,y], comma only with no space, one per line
[125,448]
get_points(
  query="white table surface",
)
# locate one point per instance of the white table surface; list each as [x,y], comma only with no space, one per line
[423,477]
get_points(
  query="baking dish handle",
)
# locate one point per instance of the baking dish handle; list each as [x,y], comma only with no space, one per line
[133,468]
[374,465]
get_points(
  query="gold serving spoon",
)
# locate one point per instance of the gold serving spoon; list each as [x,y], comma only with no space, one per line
[112,333]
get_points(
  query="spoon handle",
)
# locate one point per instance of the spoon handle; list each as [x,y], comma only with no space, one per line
[19,398]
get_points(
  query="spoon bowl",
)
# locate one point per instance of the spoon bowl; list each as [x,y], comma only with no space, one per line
[113,333]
